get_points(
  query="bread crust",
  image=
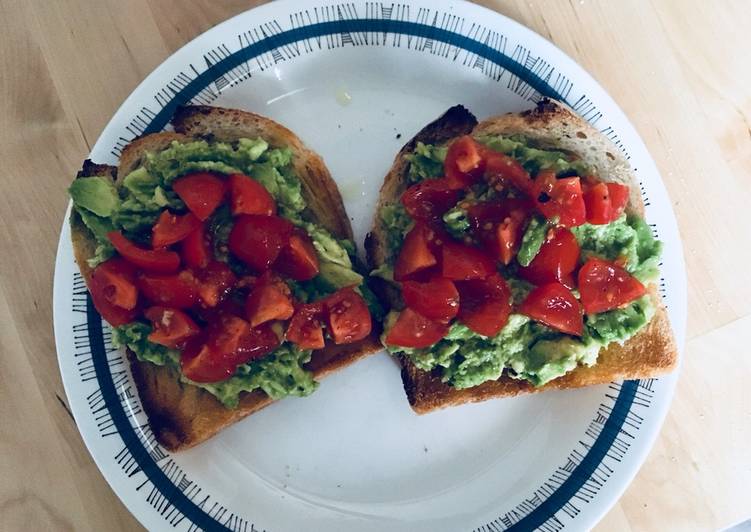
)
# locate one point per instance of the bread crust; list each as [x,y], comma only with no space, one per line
[550,124]
[180,414]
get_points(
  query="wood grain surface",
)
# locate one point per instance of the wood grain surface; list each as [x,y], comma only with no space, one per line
[680,71]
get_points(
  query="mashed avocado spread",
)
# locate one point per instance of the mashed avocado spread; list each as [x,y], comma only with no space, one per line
[524,348]
[134,206]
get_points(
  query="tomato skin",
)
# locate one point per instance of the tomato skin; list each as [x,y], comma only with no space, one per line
[172,228]
[171,327]
[605,202]
[256,343]
[428,200]
[415,254]
[196,249]
[556,260]
[347,316]
[214,283]
[113,288]
[499,226]
[306,327]
[460,262]
[257,240]
[555,306]
[176,291]
[200,364]
[268,301]
[248,196]
[464,163]
[415,330]
[484,304]
[605,286]
[202,193]
[436,299]
[561,198]
[156,261]
[298,260]
[503,170]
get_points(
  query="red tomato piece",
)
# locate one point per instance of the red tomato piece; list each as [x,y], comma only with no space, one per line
[605,202]
[200,363]
[556,260]
[176,291]
[214,283]
[604,286]
[257,343]
[415,254]
[172,228]
[484,304]
[306,327]
[202,193]
[503,170]
[561,198]
[298,260]
[347,316]
[157,261]
[555,306]
[268,301]
[460,262]
[429,199]
[436,299]
[415,330]
[499,226]
[113,291]
[224,335]
[464,164]
[257,240]
[172,327]
[248,196]
[196,248]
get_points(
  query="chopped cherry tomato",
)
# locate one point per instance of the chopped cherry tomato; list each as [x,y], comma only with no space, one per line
[499,226]
[176,291]
[484,304]
[556,260]
[157,261]
[460,262]
[306,327]
[202,193]
[257,240]
[415,254]
[437,299]
[429,199]
[605,202]
[214,283]
[604,286]
[224,335]
[503,170]
[268,301]
[172,327]
[347,316]
[248,196]
[113,291]
[196,248]
[560,198]
[200,363]
[415,330]
[171,228]
[256,343]
[298,259]
[555,306]
[464,163]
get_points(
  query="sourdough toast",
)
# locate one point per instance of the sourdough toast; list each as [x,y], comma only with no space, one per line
[649,353]
[180,414]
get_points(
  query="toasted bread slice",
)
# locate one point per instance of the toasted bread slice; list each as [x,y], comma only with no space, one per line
[650,353]
[182,415]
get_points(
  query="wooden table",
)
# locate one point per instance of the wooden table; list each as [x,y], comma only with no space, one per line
[680,71]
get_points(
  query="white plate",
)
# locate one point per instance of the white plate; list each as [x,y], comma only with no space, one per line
[356,80]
